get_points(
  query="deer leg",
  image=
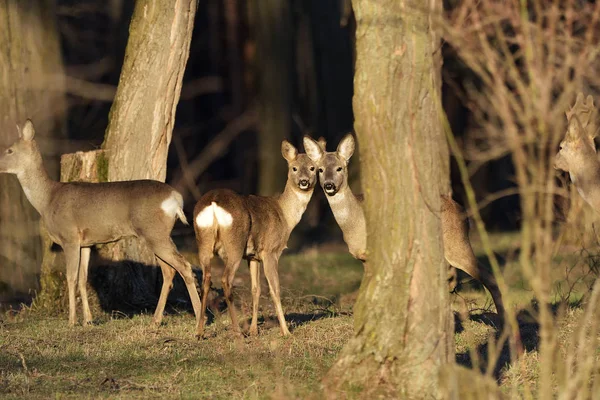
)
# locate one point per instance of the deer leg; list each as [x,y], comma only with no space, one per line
[270,264]
[206,280]
[84,263]
[472,267]
[72,257]
[167,252]
[488,280]
[168,273]
[227,283]
[255,277]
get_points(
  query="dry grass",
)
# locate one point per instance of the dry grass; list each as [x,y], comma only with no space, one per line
[122,357]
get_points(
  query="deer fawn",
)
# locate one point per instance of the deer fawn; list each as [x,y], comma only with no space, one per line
[78,215]
[577,154]
[348,212]
[255,228]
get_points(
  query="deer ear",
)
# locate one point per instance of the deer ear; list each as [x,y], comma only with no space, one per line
[28,131]
[589,101]
[288,151]
[575,130]
[346,147]
[322,143]
[312,148]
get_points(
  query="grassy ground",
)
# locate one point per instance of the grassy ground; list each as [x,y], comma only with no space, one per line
[123,357]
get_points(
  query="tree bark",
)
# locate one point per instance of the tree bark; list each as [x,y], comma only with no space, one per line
[272,24]
[31,86]
[143,113]
[401,316]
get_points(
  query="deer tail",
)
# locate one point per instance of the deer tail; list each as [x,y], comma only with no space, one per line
[179,212]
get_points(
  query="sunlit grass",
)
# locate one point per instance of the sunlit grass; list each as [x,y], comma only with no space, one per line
[122,357]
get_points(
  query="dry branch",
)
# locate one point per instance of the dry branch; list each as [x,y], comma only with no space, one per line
[186,177]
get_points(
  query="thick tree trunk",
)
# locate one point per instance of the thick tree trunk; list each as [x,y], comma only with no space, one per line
[401,315]
[31,86]
[143,113]
[272,24]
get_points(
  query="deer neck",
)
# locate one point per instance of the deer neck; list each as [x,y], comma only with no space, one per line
[293,203]
[587,181]
[37,185]
[345,206]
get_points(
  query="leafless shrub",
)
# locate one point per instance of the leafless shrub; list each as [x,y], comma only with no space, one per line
[528,60]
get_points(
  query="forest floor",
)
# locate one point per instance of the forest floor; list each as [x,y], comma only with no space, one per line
[124,357]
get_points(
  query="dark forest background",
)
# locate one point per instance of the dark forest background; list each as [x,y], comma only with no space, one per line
[255,76]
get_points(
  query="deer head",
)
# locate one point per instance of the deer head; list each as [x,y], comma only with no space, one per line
[301,169]
[22,154]
[333,166]
[578,145]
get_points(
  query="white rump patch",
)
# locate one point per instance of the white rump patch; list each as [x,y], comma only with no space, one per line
[170,206]
[206,217]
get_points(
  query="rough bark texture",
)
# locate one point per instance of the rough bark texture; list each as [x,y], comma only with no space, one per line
[143,113]
[401,314]
[31,86]
[272,25]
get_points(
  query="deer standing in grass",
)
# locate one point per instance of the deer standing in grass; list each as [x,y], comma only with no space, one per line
[255,228]
[78,215]
[349,214]
[577,153]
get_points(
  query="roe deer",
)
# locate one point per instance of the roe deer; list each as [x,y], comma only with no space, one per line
[255,228]
[78,215]
[577,154]
[349,214]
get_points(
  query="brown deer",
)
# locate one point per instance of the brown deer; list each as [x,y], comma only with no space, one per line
[78,215]
[577,153]
[348,212]
[255,228]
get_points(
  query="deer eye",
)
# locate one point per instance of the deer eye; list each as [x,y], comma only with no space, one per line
[320,170]
[9,151]
[294,169]
[339,169]
[312,168]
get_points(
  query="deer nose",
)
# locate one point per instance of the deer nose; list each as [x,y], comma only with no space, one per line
[329,186]
[303,183]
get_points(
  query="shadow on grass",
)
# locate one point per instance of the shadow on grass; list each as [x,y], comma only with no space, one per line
[528,329]
[127,288]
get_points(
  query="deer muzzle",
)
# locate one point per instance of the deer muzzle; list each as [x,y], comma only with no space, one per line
[304,184]
[330,188]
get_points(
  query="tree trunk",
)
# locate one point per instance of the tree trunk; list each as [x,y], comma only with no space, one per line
[401,315]
[272,24]
[31,86]
[143,113]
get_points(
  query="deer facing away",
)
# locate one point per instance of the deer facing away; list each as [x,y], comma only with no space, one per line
[255,228]
[349,214]
[577,153]
[78,215]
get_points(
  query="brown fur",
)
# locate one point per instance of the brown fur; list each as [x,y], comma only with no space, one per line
[577,153]
[258,232]
[79,215]
[457,247]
